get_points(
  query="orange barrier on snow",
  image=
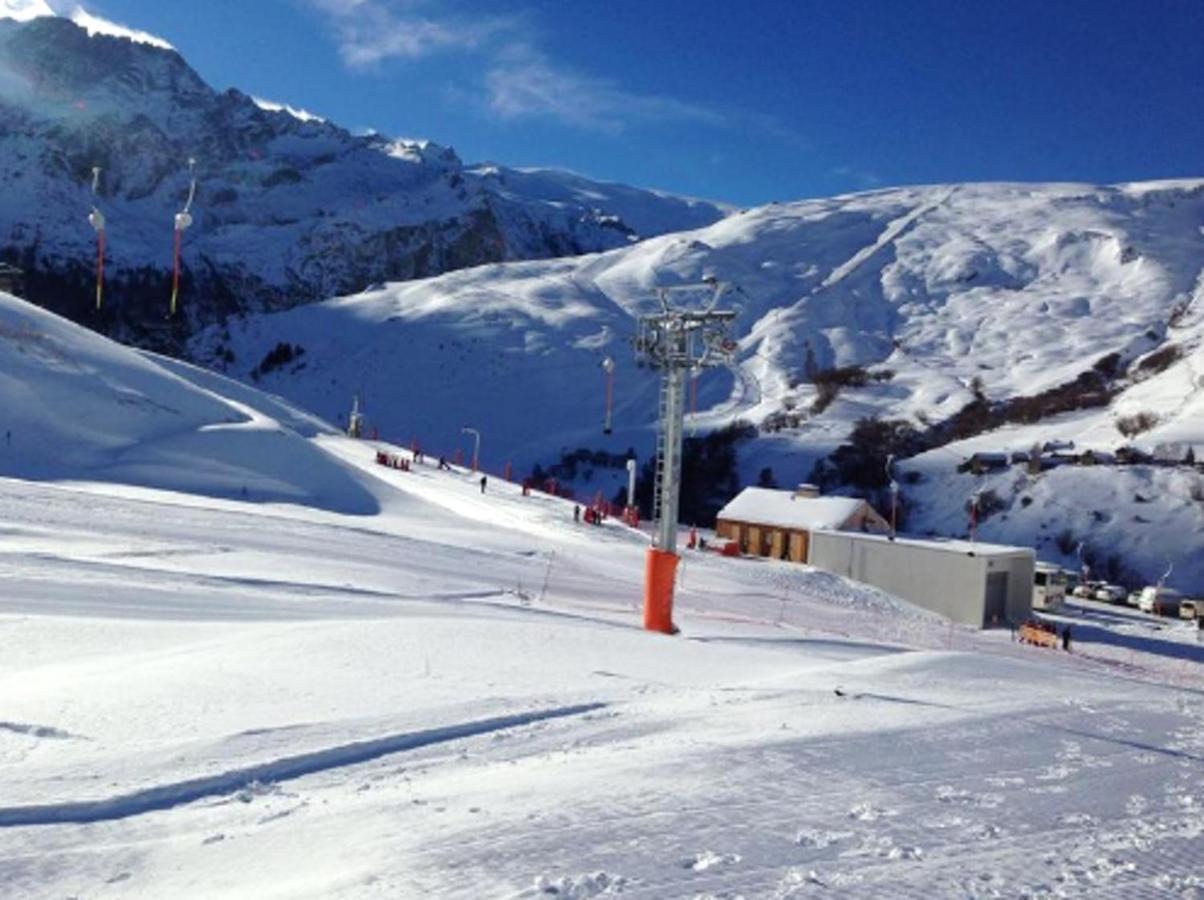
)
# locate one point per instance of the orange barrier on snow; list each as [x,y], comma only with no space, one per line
[660,570]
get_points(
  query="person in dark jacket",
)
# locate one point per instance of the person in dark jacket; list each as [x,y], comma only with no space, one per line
[1066,638]
[484,479]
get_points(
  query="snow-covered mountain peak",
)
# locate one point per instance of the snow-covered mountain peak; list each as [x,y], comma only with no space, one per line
[94,25]
[25,10]
[290,208]
[302,115]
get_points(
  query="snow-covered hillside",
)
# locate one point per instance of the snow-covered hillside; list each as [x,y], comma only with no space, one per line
[938,296]
[444,692]
[77,406]
[290,207]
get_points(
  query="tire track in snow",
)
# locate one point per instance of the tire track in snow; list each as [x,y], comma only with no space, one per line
[168,796]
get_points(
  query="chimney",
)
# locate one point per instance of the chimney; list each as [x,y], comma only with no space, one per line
[806,492]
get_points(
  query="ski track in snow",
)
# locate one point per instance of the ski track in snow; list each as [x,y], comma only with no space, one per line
[166,796]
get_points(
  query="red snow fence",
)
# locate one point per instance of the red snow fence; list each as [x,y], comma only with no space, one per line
[392,461]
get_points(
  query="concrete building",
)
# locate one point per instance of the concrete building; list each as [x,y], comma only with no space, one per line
[778,524]
[971,583]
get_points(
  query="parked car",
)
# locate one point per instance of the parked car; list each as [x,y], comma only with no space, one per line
[1134,599]
[1191,609]
[1086,590]
[1110,593]
[1160,601]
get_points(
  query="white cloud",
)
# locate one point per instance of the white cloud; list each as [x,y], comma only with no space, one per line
[371,31]
[514,78]
[526,85]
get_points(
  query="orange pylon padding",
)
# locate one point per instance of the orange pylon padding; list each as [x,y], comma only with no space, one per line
[660,570]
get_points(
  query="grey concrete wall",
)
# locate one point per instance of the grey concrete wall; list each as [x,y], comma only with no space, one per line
[1020,585]
[950,583]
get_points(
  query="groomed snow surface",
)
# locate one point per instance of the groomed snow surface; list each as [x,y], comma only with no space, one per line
[240,659]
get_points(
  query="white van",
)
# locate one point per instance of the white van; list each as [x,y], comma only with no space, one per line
[1160,601]
[1049,586]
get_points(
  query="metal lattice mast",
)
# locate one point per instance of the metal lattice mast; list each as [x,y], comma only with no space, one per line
[679,342]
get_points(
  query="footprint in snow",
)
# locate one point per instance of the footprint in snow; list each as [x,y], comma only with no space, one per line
[818,840]
[579,887]
[701,862]
[868,812]
[947,793]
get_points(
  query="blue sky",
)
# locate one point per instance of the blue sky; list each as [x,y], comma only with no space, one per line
[743,101]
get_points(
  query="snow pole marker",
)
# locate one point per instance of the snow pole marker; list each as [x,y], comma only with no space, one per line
[694,376]
[608,366]
[97,220]
[183,220]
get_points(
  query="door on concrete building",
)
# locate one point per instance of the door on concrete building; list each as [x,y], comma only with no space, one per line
[996,610]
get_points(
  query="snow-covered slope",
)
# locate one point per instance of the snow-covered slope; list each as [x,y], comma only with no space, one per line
[358,681]
[290,207]
[939,294]
[451,697]
[80,407]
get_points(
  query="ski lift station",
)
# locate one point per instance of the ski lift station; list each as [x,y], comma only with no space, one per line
[778,524]
[965,581]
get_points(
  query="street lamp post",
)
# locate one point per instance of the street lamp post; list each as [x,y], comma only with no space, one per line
[476,446]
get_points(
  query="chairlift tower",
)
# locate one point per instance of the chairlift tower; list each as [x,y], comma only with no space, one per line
[678,341]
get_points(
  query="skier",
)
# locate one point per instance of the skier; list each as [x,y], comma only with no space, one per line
[1066,638]
[484,479]
[576,513]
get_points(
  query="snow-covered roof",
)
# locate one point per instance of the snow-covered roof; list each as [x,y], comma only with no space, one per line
[766,506]
[949,545]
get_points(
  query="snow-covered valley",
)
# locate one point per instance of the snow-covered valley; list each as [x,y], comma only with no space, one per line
[1054,313]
